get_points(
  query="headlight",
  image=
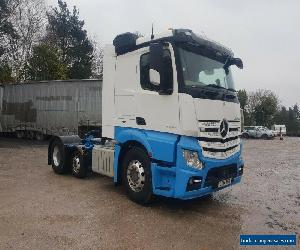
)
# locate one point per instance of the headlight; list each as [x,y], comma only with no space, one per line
[192,159]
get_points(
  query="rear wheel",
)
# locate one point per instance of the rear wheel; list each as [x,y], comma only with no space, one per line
[58,157]
[137,175]
[79,168]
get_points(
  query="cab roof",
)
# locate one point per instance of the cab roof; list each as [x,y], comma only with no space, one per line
[128,42]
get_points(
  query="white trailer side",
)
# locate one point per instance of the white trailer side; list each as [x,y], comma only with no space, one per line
[52,108]
[1,98]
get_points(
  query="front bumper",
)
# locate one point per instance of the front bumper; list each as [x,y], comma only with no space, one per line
[175,181]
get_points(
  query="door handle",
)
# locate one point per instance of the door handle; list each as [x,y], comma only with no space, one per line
[140,121]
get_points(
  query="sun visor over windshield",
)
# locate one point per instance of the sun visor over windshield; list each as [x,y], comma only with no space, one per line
[188,37]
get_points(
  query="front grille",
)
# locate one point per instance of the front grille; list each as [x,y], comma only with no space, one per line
[217,139]
[213,144]
[215,175]
[218,150]
[211,129]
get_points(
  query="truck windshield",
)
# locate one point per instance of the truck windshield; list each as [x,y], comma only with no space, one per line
[201,71]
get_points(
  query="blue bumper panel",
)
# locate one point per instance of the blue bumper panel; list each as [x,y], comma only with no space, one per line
[116,157]
[173,181]
[205,191]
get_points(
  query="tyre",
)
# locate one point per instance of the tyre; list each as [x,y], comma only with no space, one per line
[58,157]
[78,168]
[245,135]
[137,175]
[207,197]
[20,134]
[39,136]
[264,136]
[29,135]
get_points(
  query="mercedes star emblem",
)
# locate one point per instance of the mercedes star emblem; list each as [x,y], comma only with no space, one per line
[224,128]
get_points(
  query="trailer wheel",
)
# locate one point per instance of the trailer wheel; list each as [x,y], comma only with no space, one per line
[79,168]
[58,157]
[39,136]
[137,175]
[20,134]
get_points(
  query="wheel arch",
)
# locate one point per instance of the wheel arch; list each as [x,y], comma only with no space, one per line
[127,139]
[124,148]
[160,146]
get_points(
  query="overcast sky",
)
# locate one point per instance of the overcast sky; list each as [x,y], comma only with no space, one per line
[264,33]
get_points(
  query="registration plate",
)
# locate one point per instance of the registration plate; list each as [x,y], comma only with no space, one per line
[224,183]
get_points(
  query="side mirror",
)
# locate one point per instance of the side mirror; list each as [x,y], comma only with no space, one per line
[156,63]
[239,63]
[233,61]
[154,77]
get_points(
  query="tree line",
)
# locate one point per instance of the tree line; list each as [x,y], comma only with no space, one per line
[39,43]
[262,108]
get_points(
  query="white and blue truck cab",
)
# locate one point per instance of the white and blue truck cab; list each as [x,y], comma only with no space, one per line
[171,120]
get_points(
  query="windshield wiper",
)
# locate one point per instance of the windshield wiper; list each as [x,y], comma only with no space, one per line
[215,86]
[226,95]
[220,87]
[204,91]
[230,96]
[231,89]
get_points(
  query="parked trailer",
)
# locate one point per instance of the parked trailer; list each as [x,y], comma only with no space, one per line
[51,108]
[1,98]
[279,128]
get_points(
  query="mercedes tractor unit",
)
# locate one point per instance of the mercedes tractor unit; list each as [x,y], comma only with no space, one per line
[171,120]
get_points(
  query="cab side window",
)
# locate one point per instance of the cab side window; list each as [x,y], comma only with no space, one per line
[167,77]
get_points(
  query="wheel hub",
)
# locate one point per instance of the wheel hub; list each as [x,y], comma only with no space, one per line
[136,175]
[76,164]
[56,156]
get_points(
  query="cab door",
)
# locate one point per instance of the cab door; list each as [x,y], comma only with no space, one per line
[156,111]
[126,82]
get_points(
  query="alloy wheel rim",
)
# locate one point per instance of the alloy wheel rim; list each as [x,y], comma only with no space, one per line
[76,164]
[136,176]
[56,156]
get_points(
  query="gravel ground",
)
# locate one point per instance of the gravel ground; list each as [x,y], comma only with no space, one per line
[41,210]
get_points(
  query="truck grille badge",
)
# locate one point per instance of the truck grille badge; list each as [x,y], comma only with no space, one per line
[224,127]
[219,139]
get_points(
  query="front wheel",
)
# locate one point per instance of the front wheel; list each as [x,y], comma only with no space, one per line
[137,175]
